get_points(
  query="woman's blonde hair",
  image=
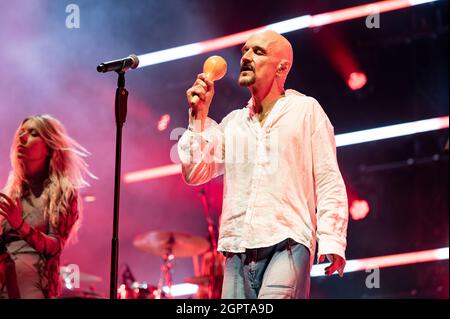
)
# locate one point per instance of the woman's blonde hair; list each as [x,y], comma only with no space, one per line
[67,170]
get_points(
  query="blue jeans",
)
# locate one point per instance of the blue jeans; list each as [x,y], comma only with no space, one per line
[281,271]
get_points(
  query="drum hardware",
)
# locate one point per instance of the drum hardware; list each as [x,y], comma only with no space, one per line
[169,245]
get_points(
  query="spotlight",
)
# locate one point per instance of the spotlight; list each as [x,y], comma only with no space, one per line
[359,209]
[356,80]
[163,122]
[89,198]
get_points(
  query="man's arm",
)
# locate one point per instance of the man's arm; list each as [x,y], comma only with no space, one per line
[331,195]
[202,153]
[201,148]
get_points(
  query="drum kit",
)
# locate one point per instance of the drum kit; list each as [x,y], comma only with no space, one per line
[71,287]
[171,245]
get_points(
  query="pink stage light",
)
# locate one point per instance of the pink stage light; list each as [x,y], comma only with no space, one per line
[391,131]
[163,122]
[360,11]
[227,41]
[359,209]
[387,261]
[152,173]
[89,198]
[298,23]
[356,80]
[341,140]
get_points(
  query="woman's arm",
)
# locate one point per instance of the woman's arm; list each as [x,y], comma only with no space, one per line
[49,244]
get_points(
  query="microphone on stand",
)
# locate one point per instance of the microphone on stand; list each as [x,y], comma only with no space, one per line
[120,65]
[215,68]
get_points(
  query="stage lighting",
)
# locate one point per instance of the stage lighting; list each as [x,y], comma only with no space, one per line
[359,209]
[163,122]
[356,80]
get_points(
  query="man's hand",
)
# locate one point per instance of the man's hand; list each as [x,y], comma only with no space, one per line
[204,90]
[337,263]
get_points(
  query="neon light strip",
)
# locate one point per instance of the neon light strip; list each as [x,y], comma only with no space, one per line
[169,54]
[298,23]
[351,266]
[390,131]
[387,261]
[341,140]
[152,173]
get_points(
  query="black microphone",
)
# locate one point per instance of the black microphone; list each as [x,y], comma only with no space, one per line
[120,65]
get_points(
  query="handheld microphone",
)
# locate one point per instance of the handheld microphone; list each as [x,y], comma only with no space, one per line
[215,68]
[120,65]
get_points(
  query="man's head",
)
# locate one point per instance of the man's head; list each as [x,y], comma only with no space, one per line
[266,57]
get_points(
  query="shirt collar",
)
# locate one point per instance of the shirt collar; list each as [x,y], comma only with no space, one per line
[288,93]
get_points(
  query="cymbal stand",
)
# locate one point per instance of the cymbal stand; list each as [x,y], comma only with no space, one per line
[166,271]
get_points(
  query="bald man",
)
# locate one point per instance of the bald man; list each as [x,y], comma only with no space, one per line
[283,190]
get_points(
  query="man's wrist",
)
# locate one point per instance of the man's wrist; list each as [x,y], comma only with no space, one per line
[199,114]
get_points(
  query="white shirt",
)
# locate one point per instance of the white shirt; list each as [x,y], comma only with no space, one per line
[275,176]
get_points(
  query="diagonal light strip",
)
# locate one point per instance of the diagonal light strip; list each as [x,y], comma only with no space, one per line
[298,23]
[351,266]
[169,54]
[387,261]
[151,173]
[156,172]
[391,131]
[345,139]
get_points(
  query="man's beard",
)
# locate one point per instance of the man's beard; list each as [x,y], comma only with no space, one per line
[247,80]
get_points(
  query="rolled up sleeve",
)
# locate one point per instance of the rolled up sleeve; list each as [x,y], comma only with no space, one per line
[201,152]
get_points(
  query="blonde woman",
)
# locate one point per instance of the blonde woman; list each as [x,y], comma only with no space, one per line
[39,207]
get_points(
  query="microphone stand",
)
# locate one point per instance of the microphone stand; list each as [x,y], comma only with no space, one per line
[120,114]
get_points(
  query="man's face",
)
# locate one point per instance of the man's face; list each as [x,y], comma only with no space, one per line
[259,61]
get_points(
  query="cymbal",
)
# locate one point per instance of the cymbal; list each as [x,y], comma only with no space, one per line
[162,243]
[67,272]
